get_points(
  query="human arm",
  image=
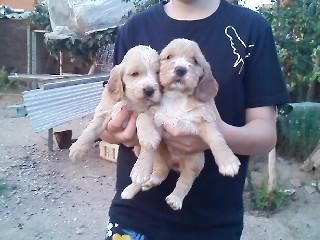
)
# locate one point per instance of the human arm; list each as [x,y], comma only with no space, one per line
[258,135]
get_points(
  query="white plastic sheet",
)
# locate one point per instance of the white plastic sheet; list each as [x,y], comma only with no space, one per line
[76,18]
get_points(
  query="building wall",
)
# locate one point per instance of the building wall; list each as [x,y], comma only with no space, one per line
[24,4]
[14,52]
[13,44]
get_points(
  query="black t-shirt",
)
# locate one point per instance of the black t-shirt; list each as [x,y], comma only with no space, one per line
[239,45]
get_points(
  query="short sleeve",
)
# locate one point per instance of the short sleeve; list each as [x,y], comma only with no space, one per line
[264,82]
[119,50]
[121,45]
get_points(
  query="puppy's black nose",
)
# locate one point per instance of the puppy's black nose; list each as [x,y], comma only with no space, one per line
[180,71]
[148,91]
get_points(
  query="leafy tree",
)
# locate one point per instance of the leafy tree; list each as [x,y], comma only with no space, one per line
[40,16]
[296,26]
[91,48]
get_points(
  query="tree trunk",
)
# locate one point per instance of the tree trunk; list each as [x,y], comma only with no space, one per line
[272,160]
[92,68]
[311,91]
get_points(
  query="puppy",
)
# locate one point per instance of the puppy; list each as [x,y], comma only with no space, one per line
[133,83]
[187,104]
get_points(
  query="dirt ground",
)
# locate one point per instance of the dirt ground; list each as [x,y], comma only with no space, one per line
[45,196]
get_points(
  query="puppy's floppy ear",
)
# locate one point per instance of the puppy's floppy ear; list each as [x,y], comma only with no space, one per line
[115,85]
[207,86]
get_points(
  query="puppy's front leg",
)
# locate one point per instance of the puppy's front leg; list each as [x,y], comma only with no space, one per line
[190,168]
[227,162]
[149,138]
[87,137]
[159,173]
[160,168]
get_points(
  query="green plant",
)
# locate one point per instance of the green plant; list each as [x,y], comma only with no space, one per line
[296,27]
[267,201]
[40,16]
[5,82]
[3,77]
[87,48]
[270,200]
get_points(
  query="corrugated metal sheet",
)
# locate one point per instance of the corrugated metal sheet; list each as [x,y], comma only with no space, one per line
[61,103]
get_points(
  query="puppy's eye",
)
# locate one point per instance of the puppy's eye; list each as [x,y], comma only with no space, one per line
[195,61]
[169,56]
[134,74]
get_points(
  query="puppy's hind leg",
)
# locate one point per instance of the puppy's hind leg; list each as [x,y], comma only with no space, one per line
[130,191]
[159,173]
[189,171]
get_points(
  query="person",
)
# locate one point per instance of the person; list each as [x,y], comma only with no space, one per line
[238,43]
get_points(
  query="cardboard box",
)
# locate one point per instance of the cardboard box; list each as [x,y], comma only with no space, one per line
[108,151]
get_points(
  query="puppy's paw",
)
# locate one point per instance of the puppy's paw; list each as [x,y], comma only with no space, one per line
[139,177]
[141,172]
[229,166]
[155,180]
[174,202]
[130,191]
[78,151]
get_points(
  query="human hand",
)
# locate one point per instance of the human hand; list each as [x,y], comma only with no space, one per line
[178,141]
[187,143]
[122,129]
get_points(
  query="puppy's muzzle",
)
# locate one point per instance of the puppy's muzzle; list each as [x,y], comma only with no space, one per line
[148,92]
[180,71]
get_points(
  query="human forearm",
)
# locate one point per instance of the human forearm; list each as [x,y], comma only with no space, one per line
[257,136]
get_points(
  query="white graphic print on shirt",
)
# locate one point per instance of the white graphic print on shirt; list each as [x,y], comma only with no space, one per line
[238,46]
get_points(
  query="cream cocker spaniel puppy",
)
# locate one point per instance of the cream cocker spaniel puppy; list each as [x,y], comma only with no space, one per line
[133,83]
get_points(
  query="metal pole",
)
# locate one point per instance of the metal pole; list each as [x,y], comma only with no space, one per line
[29,49]
[34,53]
[50,139]
[60,62]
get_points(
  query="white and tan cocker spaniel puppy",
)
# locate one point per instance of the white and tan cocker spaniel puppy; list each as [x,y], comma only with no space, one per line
[133,83]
